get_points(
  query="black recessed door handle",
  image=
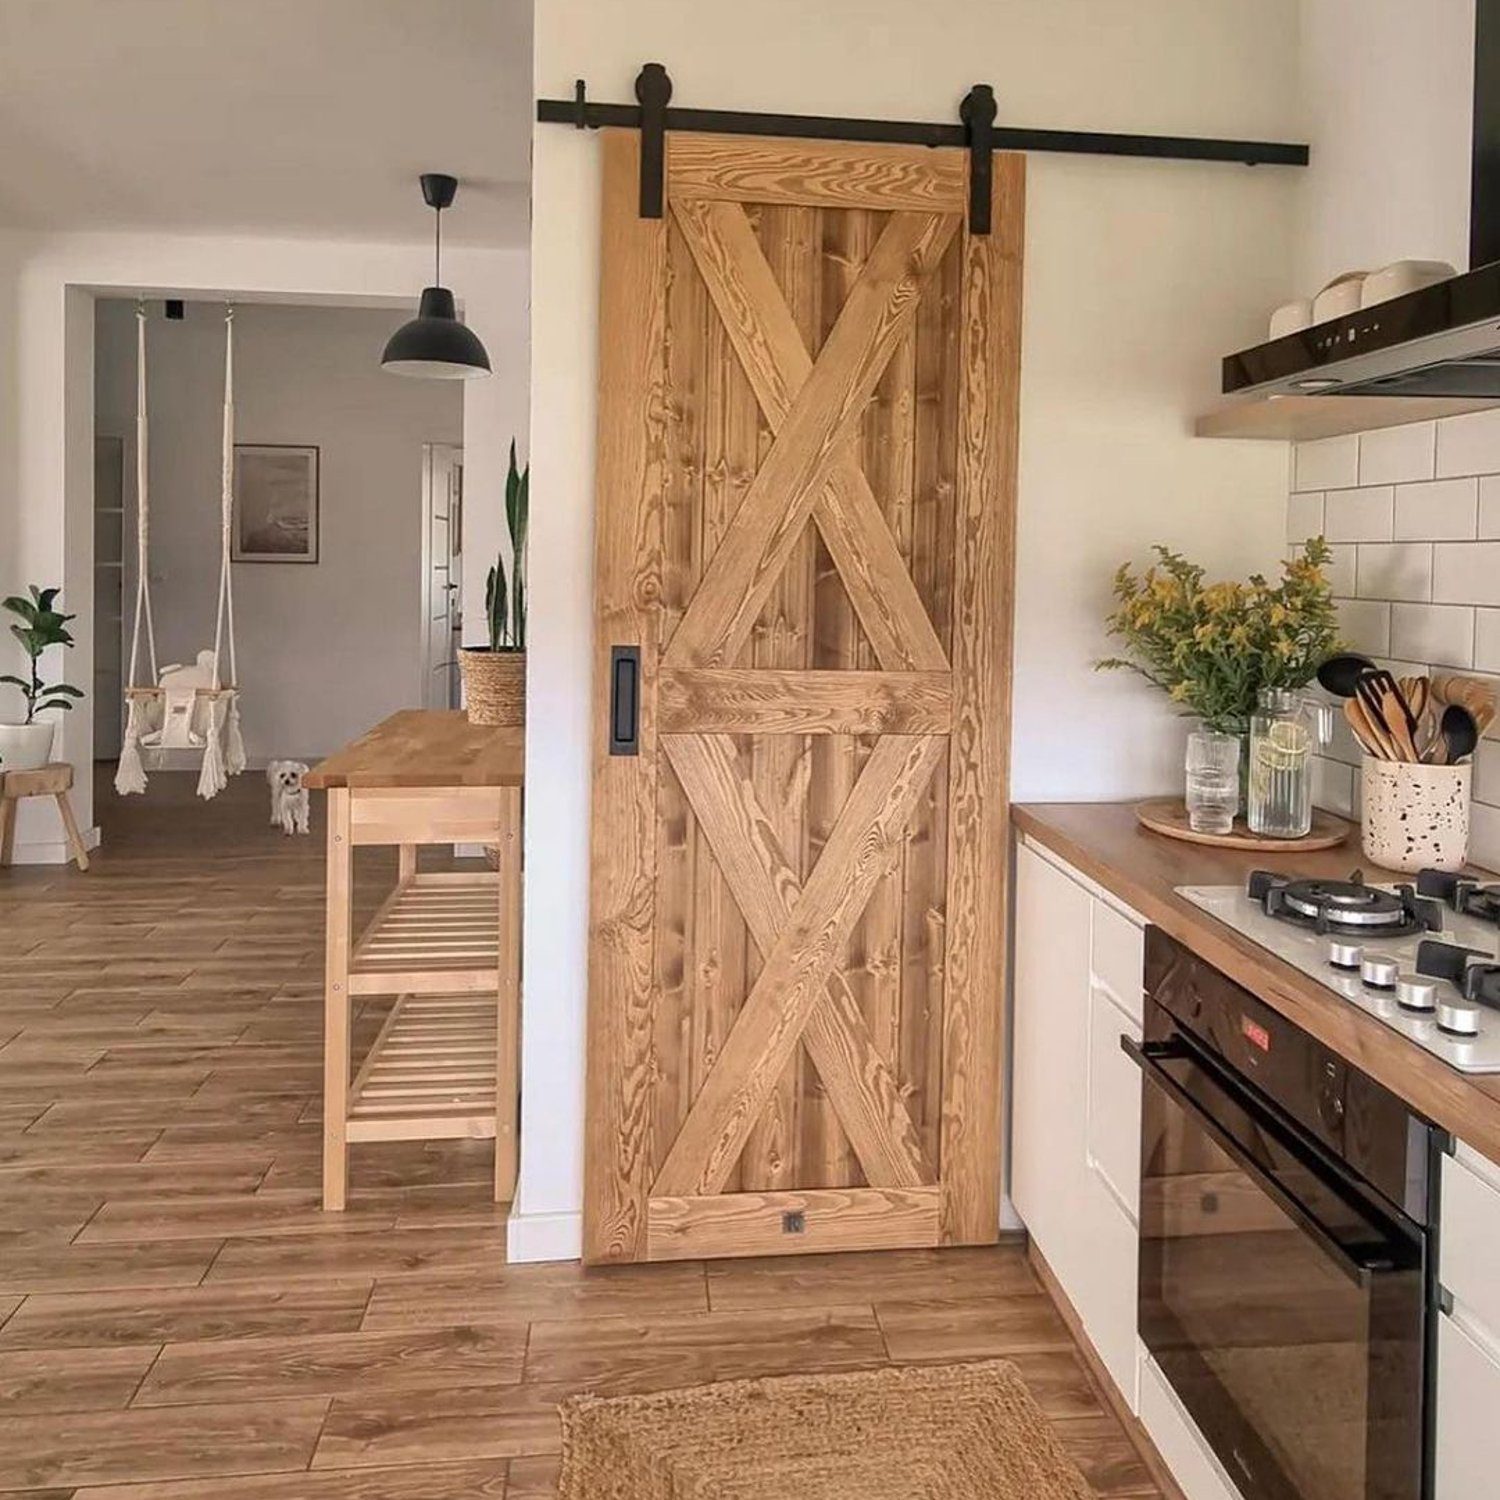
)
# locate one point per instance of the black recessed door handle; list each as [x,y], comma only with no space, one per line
[624,700]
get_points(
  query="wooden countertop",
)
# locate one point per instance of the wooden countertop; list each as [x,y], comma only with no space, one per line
[1104,842]
[420,747]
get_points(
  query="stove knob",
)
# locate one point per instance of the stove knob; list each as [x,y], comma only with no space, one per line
[1379,971]
[1458,1017]
[1342,954]
[1413,992]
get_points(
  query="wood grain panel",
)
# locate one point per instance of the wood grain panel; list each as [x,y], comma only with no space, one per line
[772,345]
[755,1223]
[978,824]
[866,1097]
[794,975]
[780,642]
[733,700]
[628,528]
[821,174]
[829,405]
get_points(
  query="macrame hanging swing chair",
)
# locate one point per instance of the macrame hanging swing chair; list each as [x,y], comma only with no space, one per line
[190,708]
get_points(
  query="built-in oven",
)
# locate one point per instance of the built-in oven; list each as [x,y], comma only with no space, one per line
[1286,1281]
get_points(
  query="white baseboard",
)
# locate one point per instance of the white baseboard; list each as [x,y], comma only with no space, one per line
[534,1237]
[51,851]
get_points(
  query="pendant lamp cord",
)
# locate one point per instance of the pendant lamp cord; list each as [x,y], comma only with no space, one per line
[437,250]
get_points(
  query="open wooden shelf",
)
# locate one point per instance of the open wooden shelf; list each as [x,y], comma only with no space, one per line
[434,935]
[430,1073]
[1299,419]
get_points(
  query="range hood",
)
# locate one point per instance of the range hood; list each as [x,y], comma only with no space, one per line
[1441,341]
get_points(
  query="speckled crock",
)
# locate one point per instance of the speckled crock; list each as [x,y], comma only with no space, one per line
[1415,817]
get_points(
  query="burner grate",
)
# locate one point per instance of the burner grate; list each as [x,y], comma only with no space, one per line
[1345,906]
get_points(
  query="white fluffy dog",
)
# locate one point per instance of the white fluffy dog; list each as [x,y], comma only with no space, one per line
[289,798]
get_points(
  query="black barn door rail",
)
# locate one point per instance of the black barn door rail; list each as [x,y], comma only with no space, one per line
[975,131]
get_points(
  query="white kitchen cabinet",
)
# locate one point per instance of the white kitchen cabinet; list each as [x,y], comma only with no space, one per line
[1048,1070]
[1468,1374]
[1075,1121]
[1468,1385]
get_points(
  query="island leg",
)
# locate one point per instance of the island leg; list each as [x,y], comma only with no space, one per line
[336,1004]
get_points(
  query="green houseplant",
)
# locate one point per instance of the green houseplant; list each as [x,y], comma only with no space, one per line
[38,626]
[1212,647]
[495,673]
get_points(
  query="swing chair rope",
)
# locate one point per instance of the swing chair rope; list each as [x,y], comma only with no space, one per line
[224,622]
[143,516]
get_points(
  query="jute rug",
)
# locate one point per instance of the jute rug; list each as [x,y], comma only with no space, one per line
[931,1432]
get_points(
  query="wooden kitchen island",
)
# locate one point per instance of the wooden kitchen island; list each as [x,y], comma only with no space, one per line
[446,945]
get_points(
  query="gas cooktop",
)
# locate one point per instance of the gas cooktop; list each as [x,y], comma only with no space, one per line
[1422,957]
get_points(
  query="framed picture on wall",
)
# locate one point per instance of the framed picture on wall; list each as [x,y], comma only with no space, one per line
[275,503]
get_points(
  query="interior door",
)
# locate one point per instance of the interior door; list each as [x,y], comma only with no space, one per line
[442,620]
[806,472]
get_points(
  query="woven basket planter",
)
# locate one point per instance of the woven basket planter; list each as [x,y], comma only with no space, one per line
[494,686]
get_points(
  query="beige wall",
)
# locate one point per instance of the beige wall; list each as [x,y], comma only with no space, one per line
[324,650]
[1139,276]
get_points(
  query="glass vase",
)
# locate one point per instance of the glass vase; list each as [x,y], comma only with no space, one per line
[1212,786]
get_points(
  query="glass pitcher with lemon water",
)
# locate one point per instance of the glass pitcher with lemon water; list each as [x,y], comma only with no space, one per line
[1285,729]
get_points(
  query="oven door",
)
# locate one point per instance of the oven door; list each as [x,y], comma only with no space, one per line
[1284,1307]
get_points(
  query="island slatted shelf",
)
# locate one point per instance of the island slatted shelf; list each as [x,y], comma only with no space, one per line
[444,1064]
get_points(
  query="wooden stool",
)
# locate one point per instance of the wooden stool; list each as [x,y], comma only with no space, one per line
[55,780]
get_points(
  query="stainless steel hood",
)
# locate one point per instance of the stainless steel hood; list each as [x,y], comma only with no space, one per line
[1439,341]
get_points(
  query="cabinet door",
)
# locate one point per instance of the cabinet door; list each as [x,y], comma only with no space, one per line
[1108,1278]
[1468,1457]
[1049,1047]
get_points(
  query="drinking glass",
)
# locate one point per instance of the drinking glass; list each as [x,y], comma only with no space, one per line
[1213,780]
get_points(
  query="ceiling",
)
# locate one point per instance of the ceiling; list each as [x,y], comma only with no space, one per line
[290,117]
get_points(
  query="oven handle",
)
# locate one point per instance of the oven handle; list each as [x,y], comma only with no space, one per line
[1358,1270]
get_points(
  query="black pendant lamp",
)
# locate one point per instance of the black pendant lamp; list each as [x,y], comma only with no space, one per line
[435,344]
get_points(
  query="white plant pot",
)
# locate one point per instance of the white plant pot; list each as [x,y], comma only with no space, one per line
[24,747]
[1415,817]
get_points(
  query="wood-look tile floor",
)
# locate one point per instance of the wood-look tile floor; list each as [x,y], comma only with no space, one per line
[179,1320]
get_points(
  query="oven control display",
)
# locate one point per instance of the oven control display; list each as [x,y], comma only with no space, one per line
[1255,1034]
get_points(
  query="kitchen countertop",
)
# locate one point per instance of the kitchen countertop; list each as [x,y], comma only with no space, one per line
[1104,842]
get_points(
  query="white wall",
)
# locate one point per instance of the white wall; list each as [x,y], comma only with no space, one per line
[47,283]
[1139,276]
[1389,88]
[324,650]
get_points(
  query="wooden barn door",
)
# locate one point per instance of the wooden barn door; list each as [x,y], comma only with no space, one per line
[806,470]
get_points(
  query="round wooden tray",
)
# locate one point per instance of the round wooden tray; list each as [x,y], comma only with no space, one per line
[1169,816]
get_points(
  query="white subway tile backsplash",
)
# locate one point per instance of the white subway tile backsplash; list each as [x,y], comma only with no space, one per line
[1340,569]
[1304,516]
[1438,510]
[1365,626]
[1466,573]
[1333,785]
[1365,515]
[1487,773]
[1484,835]
[1437,634]
[1469,444]
[1328,464]
[1393,455]
[1394,570]
[1489,506]
[1487,640]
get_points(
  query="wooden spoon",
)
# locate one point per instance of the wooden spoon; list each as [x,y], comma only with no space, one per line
[1372,740]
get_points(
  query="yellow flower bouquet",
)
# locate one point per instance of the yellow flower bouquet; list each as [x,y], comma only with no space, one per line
[1212,647]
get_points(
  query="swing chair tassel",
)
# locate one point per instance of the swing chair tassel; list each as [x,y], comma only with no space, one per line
[130,775]
[234,739]
[211,779]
